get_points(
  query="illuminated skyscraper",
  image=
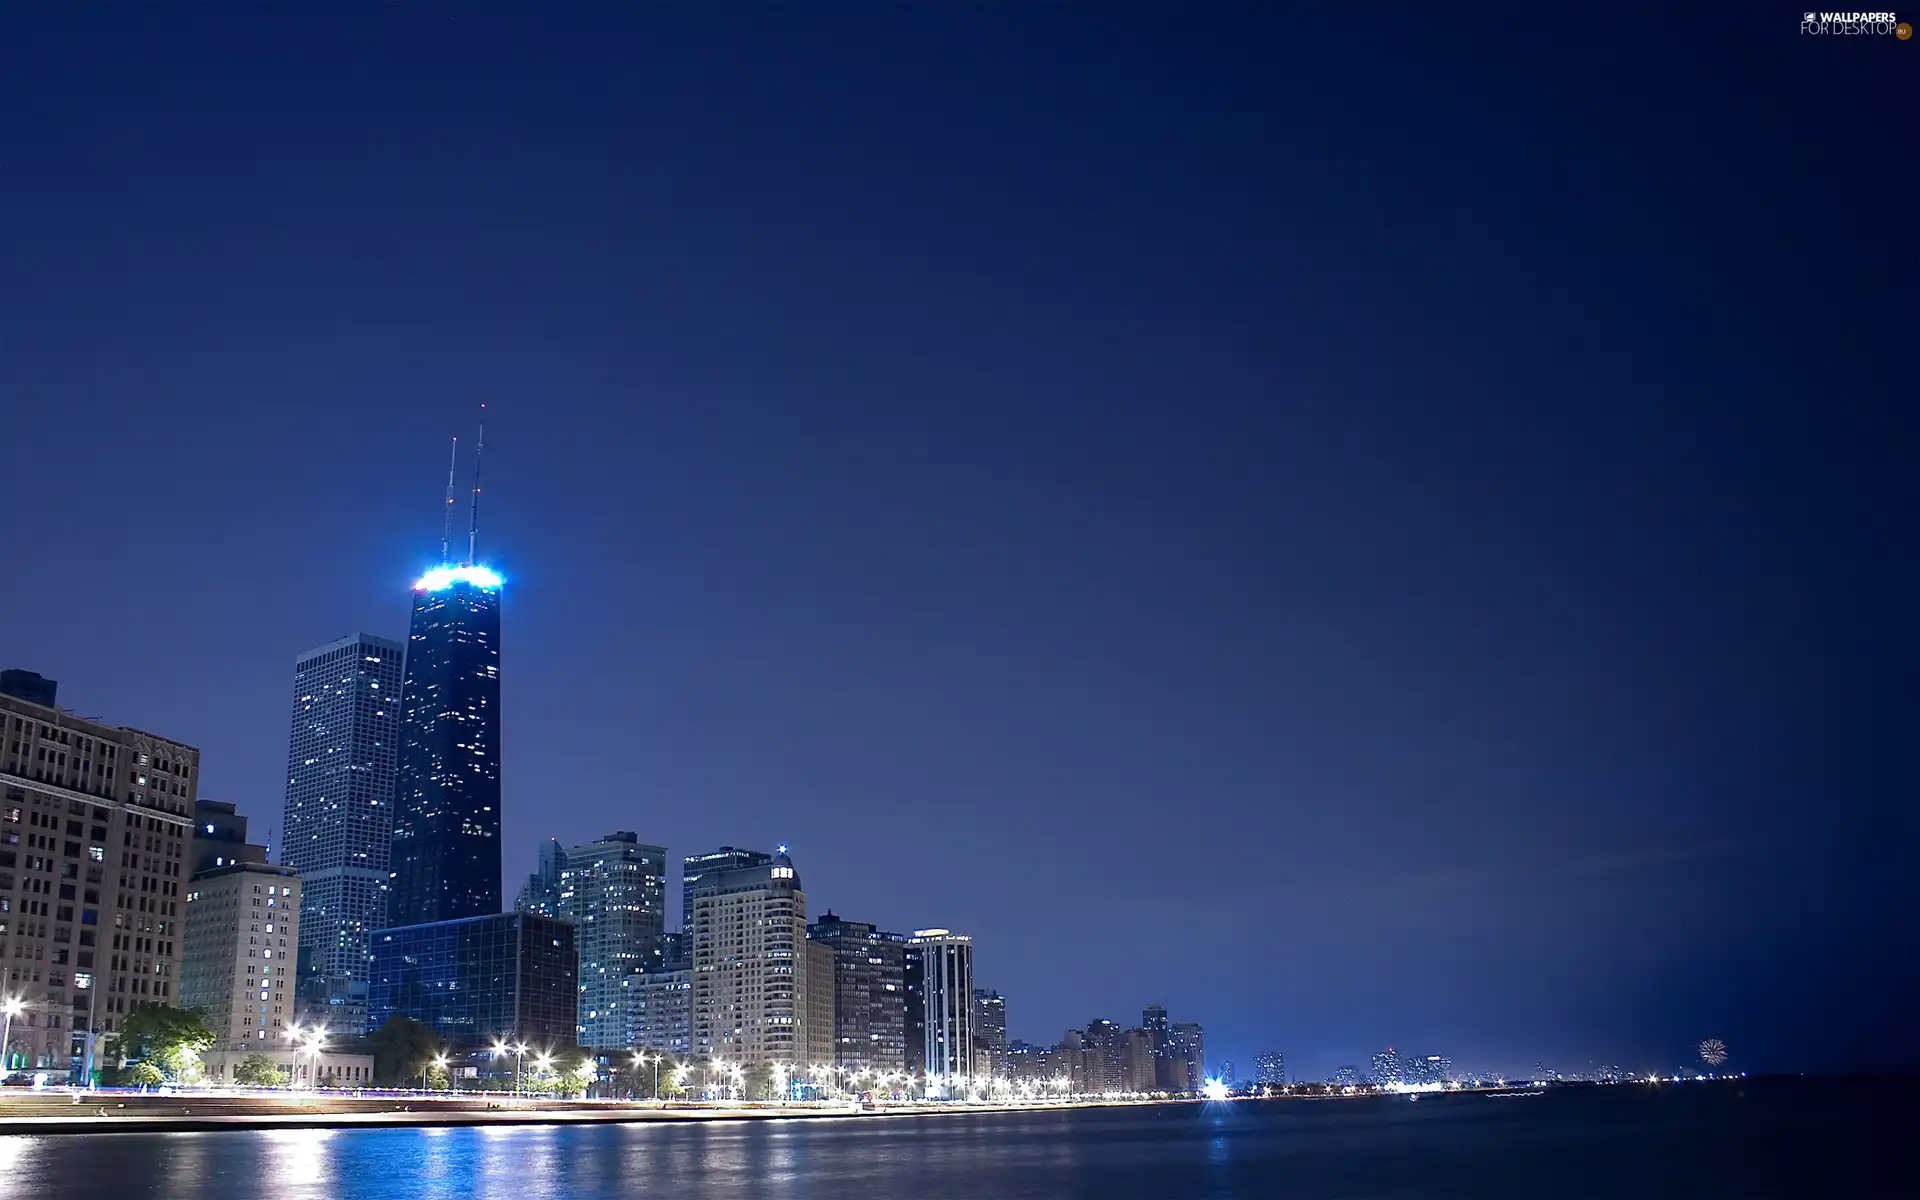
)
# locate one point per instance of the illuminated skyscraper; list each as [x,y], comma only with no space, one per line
[337,826]
[1270,1068]
[748,926]
[446,821]
[1386,1067]
[989,1032]
[1186,1059]
[870,1010]
[939,978]
[613,894]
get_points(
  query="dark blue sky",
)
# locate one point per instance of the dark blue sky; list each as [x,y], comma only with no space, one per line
[1372,527]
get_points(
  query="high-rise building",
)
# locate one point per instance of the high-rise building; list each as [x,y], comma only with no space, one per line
[749,931]
[95,822]
[1425,1070]
[613,893]
[939,979]
[337,824]
[220,838]
[822,1006]
[1186,1058]
[869,976]
[541,892]
[989,1033]
[1270,1068]
[1140,1071]
[1227,1075]
[1103,1064]
[695,867]
[504,976]
[30,686]
[1386,1067]
[662,1005]
[237,961]
[446,820]
[1346,1076]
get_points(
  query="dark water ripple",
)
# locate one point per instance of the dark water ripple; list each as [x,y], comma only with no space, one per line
[1764,1138]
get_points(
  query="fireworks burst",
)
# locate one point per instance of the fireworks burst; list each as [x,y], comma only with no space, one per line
[1713,1052]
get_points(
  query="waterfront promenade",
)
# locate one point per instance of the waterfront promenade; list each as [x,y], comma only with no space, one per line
[45,1112]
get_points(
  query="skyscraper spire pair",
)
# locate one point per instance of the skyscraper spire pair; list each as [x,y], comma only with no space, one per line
[473,525]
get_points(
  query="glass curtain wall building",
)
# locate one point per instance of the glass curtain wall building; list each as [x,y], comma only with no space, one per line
[446,824]
[613,893]
[511,976]
[337,825]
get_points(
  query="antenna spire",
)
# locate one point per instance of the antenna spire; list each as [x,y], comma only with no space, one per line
[446,531]
[473,526]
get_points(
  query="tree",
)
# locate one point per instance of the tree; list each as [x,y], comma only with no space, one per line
[257,1070]
[577,1075]
[402,1049]
[436,1077]
[145,1074]
[758,1083]
[170,1039]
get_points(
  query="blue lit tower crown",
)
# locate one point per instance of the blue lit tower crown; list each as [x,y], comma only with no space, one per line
[446,821]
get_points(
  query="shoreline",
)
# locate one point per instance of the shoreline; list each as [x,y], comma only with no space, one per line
[176,1113]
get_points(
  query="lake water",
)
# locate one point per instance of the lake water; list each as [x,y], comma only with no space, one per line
[1811,1139]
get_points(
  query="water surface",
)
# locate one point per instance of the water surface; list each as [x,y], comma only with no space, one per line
[1813,1139]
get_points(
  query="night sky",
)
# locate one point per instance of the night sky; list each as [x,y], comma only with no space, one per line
[1373,526]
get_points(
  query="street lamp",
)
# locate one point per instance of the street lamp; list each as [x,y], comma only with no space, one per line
[499,1049]
[316,1044]
[519,1054]
[12,1007]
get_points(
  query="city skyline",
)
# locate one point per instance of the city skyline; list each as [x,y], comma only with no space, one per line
[1360,532]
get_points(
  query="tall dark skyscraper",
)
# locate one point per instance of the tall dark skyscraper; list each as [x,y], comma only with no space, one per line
[870,996]
[446,821]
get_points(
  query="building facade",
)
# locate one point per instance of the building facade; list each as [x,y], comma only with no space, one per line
[613,893]
[1270,1069]
[1185,1062]
[939,979]
[239,963]
[1426,1070]
[748,926]
[343,747]
[695,867]
[511,976]
[989,1033]
[445,859]
[1386,1067]
[662,1004]
[95,828]
[822,1006]
[870,1003]
[1139,1065]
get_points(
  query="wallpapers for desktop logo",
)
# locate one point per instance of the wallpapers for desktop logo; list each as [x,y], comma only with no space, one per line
[1855,24]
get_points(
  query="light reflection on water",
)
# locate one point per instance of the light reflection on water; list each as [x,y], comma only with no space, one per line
[1769,1143]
